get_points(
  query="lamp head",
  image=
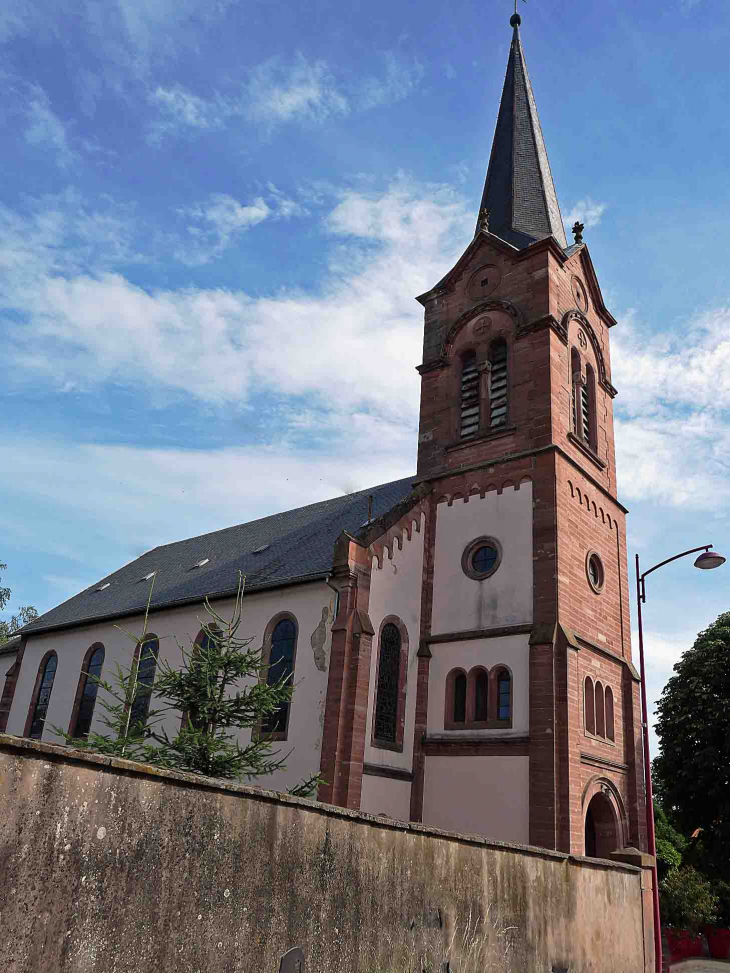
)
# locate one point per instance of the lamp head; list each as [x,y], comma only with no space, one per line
[709,560]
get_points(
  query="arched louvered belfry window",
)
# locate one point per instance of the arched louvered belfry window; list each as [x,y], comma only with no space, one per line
[481,696]
[86,692]
[498,384]
[281,669]
[41,696]
[385,727]
[146,661]
[589,705]
[470,406]
[576,386]
[609,714]
[588,400]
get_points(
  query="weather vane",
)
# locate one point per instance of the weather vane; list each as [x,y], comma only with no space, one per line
[524,1]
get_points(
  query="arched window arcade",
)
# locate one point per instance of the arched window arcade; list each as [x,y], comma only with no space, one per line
[480,699]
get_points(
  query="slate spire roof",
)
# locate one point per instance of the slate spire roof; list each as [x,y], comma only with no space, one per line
[519,192]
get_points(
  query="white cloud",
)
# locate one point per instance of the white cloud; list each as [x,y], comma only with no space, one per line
[45,129]
[398,82]
[215,224]
[301,91]
[181,109]
[586,211]
[348,347]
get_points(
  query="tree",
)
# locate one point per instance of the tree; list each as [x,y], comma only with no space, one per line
[692,770]
[25,614]
[207,691]
[670,844]
[687,900]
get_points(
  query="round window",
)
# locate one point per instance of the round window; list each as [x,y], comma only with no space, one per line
[594,570]
[481,558]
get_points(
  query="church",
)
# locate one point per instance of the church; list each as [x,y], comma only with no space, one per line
[460,639]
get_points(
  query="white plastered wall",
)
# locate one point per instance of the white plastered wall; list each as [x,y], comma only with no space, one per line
[381,795]
[311,604]
[395,589]
[462,604]
[510,650]
[478,795]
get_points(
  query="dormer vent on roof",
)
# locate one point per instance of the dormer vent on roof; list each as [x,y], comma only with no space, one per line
[107,584]
[200,564]
[259,550]
[148,577]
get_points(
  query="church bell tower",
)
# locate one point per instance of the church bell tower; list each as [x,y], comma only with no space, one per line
[528,702]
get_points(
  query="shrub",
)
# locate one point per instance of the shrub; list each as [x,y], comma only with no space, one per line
[687,900]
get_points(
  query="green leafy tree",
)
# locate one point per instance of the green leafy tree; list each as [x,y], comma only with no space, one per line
[25,614]
[207,689]
[693,768]
[670,844]
[687,900]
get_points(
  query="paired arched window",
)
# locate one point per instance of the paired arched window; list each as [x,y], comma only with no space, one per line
[583,401]
[387,696]
[281,669]
[41,696]
[470,405]
[144,668]
[83,711]
[498,384]
[598,709]
[480,699]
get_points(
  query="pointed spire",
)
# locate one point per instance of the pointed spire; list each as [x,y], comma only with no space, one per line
[519,193]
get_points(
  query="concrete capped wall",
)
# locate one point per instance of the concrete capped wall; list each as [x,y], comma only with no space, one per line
[505,598]
[312,606]
[479,795]
[109,866]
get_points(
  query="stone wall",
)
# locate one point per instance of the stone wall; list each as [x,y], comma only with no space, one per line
[114,867]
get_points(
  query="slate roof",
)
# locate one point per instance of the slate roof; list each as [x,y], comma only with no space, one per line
[519,191]
[300,546]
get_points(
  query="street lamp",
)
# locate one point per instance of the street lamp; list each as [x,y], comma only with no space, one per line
[706,561]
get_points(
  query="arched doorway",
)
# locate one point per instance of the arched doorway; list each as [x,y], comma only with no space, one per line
[602,832]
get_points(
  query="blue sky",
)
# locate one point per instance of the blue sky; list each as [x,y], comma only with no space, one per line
[215,217]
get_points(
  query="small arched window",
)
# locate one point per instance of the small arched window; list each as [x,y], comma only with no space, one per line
[385,727]
[609,713]
[469,395]
[86,692]
[481,696]
[42,696]
[498,384]
[146,666]
[281,670]
[589,705]
[504,695]
[460,698]
[600,711]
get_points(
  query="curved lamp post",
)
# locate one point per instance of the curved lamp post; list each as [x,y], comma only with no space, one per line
[705,562]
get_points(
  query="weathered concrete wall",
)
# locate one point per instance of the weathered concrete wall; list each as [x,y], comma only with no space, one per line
[112,867]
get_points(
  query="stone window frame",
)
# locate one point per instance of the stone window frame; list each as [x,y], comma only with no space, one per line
[599,588]
[470,721]
[397,745]
[37,689]
[471,547]
[599,710]
[278,735]
[81,687]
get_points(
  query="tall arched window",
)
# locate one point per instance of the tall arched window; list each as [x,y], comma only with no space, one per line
[600,711]
[469,395]
[609,713]
[41,696]
[481,696]
[203,640]
[281,669]
[146,662]
[88,687]
[504,695]
[498,384]
[589,705]
[460,698]
[388,689]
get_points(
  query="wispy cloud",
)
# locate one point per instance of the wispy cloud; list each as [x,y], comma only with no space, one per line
[215,223]
[586,211]
[398,81]
[46,130]
[181,109]
[299,91]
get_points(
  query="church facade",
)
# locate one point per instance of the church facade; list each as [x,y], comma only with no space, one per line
[460,639]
